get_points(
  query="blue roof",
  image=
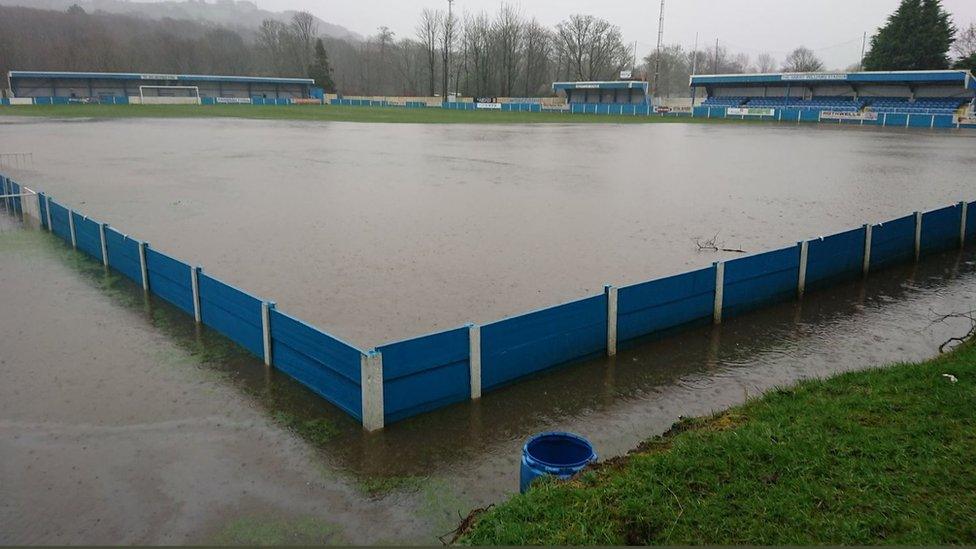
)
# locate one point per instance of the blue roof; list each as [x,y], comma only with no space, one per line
[616,85]
[62,75]
[894,77]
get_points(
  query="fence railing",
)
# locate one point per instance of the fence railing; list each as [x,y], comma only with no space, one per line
[398,380]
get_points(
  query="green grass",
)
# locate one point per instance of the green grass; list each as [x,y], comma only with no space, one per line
[263,531]
[886,456]
[338,113]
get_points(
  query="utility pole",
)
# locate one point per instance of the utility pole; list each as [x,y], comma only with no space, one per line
[864,43]
[448,40]
[694,70]
[715,63]
[660,40]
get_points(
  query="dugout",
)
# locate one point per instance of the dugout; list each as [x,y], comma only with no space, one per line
[624,92]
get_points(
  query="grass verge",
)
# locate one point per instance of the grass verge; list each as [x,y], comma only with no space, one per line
[875,457]
[339,114]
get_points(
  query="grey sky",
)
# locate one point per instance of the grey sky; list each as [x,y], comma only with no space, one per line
[832,27]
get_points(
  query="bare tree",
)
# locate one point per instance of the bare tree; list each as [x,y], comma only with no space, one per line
[427,32]
[965,44]
[537,54]
[591,48]
[802,59]
[766,63]
[304,29]
[272,40]
[509,37]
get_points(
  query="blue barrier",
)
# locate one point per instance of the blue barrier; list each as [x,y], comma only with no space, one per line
[892,242]
[123,254]
[940,229]
[324,364]
[87,235]
[753,281]
[59,221]
[970,221]
[42,205]
[523,345]
[650,307]
[425,373]
[232,312]
[835,257]
[17,204]
[170,279]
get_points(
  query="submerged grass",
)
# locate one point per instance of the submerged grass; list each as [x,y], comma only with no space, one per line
[339,114]
[262,531]
[875,457]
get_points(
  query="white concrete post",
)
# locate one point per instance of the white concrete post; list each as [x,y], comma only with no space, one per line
[195,286]
[918,235]
[866,267]
[474,359]
[71,228]
[266,307]
[47,202]
[802,279]
[964,209]
[371,381]
[143,266]
[611,294]
[101,235]
[719,291]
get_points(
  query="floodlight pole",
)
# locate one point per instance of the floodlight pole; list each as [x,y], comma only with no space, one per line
[660,40]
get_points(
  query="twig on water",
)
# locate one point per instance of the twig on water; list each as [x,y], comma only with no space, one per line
[710,245]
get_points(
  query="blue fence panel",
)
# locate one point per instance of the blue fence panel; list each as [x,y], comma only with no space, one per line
[324,364]
[232,312]
[657,305]
[894,119]
[970,222]
[893,242]
[921,120]
[88,236]
[17,204]
[59,219]
[42,205]
[526,344]
[123,254]
[753,281]
[835,257]
[425,373]
[945,121]
[170,279]
[810,115]
[940,229]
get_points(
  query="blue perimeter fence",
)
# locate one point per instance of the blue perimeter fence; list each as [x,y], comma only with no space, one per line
[405,378]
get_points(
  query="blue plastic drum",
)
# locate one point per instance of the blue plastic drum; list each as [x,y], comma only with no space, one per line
[561,455]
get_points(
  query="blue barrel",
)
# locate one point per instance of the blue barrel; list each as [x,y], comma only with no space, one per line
[561,455]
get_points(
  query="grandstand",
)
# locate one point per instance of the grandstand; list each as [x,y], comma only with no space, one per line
[866,94]
[46,87]
[624,92]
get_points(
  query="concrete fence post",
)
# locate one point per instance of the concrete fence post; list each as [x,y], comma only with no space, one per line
[143,266]
[101,235]
[266,307]
[801,285]
[195,287]
[47,203]
[918,235]
[474,359]
[964,209]
[611,294]
[866,266]
[371,380]
[719,291]
[71,229]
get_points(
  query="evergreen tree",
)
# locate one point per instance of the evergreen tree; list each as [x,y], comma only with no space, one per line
[916,37]
[321,70]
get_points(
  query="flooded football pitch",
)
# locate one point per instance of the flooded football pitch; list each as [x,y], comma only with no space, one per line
[123,422]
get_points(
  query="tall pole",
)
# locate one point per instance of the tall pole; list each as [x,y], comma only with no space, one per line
[660,40]
[694,70]
[715,63]
[448,39]
[864,43]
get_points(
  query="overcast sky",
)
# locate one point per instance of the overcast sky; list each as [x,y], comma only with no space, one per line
[832,27]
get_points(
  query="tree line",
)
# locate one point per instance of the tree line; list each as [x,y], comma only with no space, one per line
[504,53]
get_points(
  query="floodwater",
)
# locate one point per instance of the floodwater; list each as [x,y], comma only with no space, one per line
[378,232]
[122,422]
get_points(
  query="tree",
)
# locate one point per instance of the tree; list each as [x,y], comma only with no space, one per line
[427,31]
[448,30]
[321,69]
[766,63]
[965,48]
[802,59]
[304,29]
[590,48]
[916,37]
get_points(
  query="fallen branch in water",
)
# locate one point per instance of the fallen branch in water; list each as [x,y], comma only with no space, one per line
[968,336]
[464,526]
[711,246]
